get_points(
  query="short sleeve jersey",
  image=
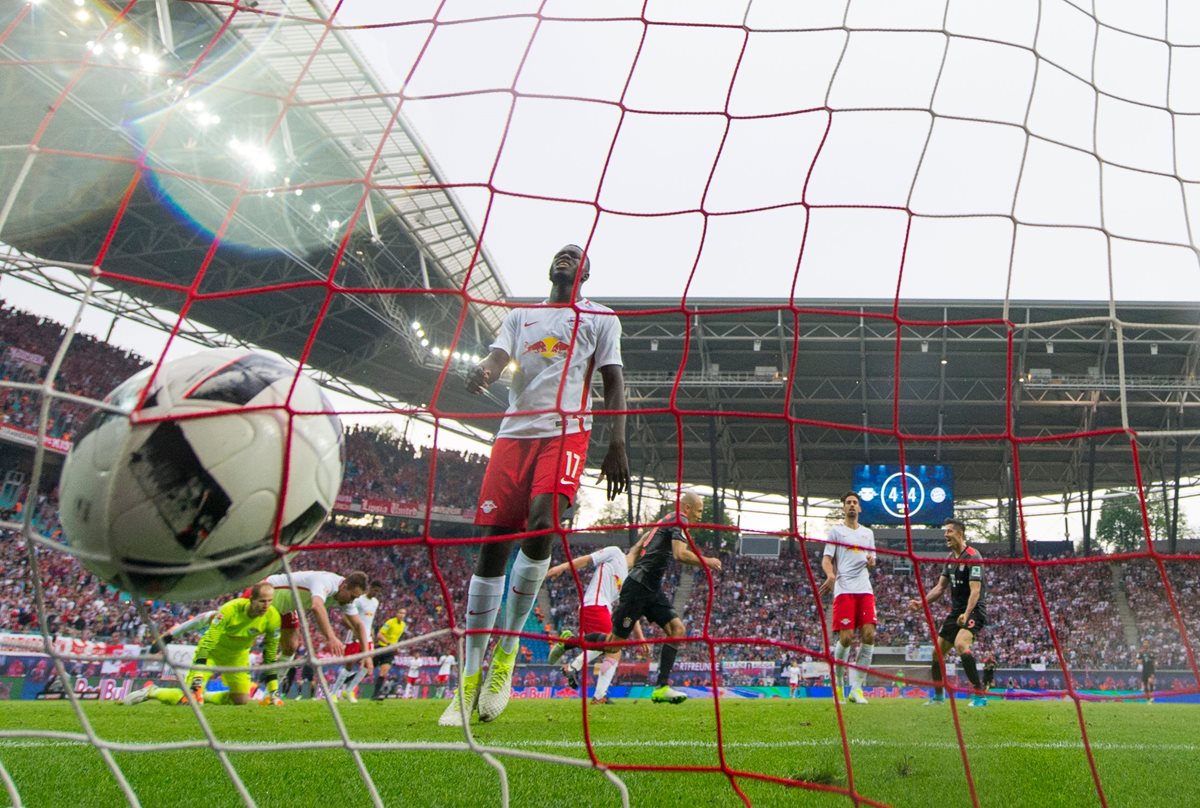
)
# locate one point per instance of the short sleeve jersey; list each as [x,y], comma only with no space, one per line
[793,673]
[850,553]
[652,566]
[414,667]
[233,632]
[962,570]
[545,343]
[310,584]
[605,584]
[445,663]
[364,608]
[1146,662]
[392,630]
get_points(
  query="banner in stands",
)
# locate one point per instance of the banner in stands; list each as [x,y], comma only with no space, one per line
[24,436]
[404,508]
[26,357]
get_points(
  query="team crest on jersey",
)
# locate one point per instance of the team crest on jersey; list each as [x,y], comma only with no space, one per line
[488,506]
[548,347]
[845,621]
[627,622]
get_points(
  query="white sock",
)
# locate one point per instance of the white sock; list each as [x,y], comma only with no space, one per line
[592,656]
[483,604]
[356,679]
[524,582]
[841,653]
[865,653]
[607,672]
[340,681]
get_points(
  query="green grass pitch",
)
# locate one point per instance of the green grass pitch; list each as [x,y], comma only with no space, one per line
[903,753]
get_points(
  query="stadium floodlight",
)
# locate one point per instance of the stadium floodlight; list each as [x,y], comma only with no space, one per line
[424,343]
[416,325]
[1049,347]
[82,15]
[253,156]
[316,207]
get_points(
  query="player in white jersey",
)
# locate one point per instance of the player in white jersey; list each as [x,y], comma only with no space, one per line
[414,677]
[315,589]
[358,639]
[792,674]
[536,462]
[445,663]
[847,561]
[595,614]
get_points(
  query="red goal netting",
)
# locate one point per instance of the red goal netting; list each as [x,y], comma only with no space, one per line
[951,226]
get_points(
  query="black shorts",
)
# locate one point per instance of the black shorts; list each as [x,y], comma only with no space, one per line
[1147,675]
[950,626]
[638,601]
[385,659]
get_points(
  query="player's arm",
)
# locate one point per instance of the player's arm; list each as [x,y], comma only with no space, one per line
[632,554]
[579,563]
[871,554]
[638,636]
[214,634]
[336,646]
[614,469]
[972,599]
[830,572]
[487,371]
[684,555]
[933,595]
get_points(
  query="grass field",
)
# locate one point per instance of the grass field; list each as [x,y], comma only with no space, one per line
[903,753]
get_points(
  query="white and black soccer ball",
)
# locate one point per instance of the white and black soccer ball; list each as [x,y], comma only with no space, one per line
[179,500]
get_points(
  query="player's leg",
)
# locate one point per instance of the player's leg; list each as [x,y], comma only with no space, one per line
[962,644]
[524,580]
[663,692]
[945,642]
[844,624]
[238,682]
[865,620]
[382,669]
[343,674]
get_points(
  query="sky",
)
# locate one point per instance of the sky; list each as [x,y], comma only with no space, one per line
[1055,176]
[969,149]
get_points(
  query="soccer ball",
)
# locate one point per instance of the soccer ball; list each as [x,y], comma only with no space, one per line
[179,500]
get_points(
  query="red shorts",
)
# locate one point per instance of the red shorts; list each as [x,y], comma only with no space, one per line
[412,680]
[442,678]
[595,620]
[851,611]
[289,620]
[355,647]
[522,468]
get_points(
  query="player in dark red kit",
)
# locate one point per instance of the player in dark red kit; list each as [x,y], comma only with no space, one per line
[963,576]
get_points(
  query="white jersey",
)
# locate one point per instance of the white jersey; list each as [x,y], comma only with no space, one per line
[311,584]
[539,340]
[364,608]
[792,672]
[604,586]
[445,663]
[414,667]
[851,560]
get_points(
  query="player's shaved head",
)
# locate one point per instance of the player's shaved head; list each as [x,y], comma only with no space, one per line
[691,499]
[262,589]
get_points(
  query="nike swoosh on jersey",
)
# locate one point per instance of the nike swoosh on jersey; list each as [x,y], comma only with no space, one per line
[565,481]
[529,324]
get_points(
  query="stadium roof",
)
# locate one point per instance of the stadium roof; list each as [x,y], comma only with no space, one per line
[222,140]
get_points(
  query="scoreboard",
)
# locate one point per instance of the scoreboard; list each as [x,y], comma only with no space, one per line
[923,493]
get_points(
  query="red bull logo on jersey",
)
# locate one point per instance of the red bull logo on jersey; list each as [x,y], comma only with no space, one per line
[548,347]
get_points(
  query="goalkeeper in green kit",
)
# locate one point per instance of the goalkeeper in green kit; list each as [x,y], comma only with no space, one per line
[233,631]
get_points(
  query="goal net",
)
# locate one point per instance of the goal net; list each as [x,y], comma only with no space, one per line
[839,237]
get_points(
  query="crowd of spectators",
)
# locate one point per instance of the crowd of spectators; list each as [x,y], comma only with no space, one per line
[383,465]
[90,368]
[1152,610]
